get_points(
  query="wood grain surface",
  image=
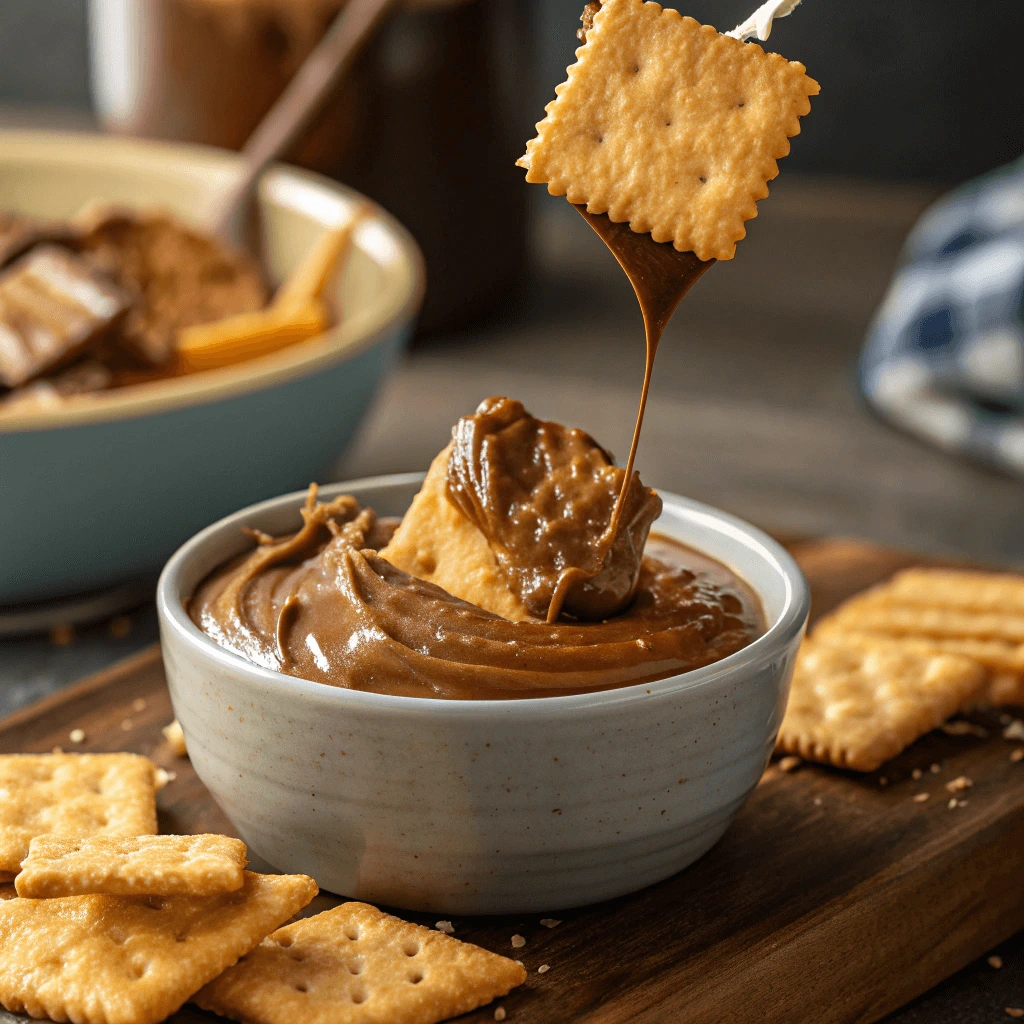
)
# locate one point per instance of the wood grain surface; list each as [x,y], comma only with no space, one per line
[833,898]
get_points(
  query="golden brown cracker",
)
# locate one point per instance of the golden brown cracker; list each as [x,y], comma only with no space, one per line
[874,613]
[969,591]
[437,543]
[133,959]
[669,125]
[856,707]
[175,737]
[72,795]
[356,965]
[135,866]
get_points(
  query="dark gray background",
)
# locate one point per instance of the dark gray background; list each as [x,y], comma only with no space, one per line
[925,90]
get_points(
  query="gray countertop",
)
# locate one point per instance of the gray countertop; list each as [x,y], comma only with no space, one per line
[754,408]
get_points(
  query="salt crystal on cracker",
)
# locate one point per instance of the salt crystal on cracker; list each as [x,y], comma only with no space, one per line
[72,795]
[669,125]
[354,964]
[139,866]
[857,707]
[133,959]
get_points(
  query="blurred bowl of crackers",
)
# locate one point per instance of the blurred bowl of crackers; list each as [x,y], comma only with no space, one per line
[482,806]
[101,487]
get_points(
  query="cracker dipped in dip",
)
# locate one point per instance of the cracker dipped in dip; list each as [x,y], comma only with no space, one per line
[503,580]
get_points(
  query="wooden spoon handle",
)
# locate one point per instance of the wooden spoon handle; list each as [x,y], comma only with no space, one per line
[300,102]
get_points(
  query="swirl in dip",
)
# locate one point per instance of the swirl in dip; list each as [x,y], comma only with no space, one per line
[508,577]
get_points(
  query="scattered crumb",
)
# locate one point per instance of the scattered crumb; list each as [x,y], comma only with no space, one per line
[817,801]
[175,738]
[520,962]
[1013,1011]
[549,922]
[920,798]
[126,724]
[446,927]
[139,704]
[518,942]
[916,773]
[935,769]
[62,636]
[543,969]
[1017,755]
[499,1013]
[995,961]
[882,780]
[961,803]
[1014,731]
[964,729]
[77,735]
[959,784]
[120,627]
[790,763]
[163,777]
[952,803]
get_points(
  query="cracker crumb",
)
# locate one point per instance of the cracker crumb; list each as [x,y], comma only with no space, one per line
[1013,1011]
[921,797]
[882,780]
[1017,755]
[995,961]
[790,763]
[959,784]
[520,962]
[916,773]
[163,777]
[126,724]
[960,728]
[549,922]
[961,803]
[62,636]
[120,627]
[952,803]
[139,704]
[1014,731]
[77,735]
[518,942]
[935,769]
[446,927]
[499,1013]
[817,801]
[543,969]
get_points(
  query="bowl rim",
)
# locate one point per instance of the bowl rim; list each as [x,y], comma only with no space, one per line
[789,623]
[382,237]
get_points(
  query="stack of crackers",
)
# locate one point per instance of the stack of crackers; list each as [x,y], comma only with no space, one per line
[109,923]
[898,660]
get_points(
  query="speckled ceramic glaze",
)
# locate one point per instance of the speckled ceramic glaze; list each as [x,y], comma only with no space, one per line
[104,488]
[474,807]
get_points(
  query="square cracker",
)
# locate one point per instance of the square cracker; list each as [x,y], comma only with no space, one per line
[857,706]
[669,125]
[356,965]
[133,959]
[72,795]
[132,866]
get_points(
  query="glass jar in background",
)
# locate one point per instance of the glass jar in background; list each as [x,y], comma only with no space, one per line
[429,122]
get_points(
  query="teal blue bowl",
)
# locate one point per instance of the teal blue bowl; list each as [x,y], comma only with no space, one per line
[104,488]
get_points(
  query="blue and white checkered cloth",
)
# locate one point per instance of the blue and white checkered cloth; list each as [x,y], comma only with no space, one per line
[945,356]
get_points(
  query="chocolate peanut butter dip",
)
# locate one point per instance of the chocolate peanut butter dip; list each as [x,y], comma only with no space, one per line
[325,604]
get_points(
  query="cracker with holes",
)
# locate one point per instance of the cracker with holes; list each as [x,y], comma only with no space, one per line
[72,795]
[133,959]
[136,866]
[670,126]
[356,965]
[857,706]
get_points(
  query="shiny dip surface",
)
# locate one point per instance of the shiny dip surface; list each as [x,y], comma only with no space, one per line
[323,605]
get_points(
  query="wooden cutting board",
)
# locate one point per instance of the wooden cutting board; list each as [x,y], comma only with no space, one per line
[833,897]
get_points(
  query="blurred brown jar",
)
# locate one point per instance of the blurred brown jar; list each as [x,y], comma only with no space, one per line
[429,122]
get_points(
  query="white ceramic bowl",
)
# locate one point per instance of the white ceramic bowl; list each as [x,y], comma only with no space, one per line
[474,807]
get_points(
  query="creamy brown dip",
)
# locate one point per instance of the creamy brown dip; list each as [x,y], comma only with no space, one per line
[324,606]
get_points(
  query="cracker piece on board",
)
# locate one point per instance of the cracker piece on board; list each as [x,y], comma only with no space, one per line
[175,737]
[356,965]
[133,959]
[856,707]
[72,795]
[132,866]
[669,125]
